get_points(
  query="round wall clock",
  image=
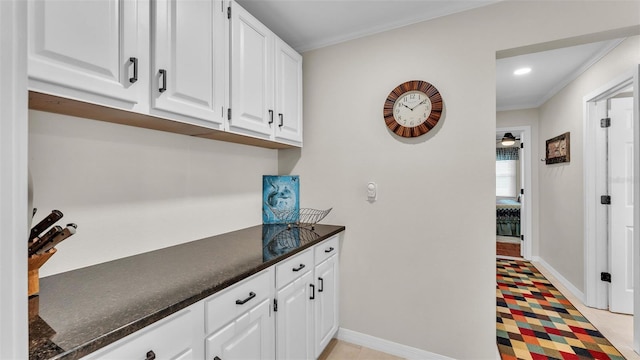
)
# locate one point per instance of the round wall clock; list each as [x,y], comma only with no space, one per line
[413,108]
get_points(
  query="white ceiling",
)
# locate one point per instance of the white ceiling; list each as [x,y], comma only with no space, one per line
[312,24]
[550,72]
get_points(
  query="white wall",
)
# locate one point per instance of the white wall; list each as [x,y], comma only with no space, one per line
[527,117]
[562,190]
[133,190]
[418,265]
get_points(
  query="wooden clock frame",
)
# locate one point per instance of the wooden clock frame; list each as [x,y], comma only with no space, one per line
[436,108]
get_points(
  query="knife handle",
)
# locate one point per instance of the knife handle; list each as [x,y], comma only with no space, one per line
[68,231]
[39,242]
[45,223]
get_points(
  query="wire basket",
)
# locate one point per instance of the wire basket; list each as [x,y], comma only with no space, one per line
[302,217]
[279,239]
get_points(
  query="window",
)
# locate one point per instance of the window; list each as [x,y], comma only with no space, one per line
[506,178]
[506,171]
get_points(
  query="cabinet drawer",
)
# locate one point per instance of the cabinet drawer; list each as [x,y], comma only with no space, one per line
[293,268]
[326,249]
[170,338]
[224,307]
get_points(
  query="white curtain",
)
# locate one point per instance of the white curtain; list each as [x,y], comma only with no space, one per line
[506,178]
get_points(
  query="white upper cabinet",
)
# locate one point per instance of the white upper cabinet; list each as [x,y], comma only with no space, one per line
[266,82]
[87,50]
[188,59]
[252,74]
[288,93]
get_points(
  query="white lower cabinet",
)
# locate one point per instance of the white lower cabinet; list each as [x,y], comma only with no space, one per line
[250,336]
[307,315]
[326,306]
[239,323]
[294,323]
[176,337]
[287,311]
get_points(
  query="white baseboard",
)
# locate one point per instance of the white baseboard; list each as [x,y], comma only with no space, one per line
[387,346]
[574,290]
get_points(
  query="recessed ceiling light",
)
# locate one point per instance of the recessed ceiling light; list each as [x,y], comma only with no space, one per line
[522,71]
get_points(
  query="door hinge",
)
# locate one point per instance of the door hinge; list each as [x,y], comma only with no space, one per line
[522,237]
[275,305]
[229,12]
[605,200]
[521,191]
[521,145]
[229,114]
[605,123]
[605,276]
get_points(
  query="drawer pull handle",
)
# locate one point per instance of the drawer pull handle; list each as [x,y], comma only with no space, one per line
[313,292]
[321,288]
[216,358]
[134,61]
[270,117]
[298,268]
[163,74]
[330,249]
[242,302]
[150,355]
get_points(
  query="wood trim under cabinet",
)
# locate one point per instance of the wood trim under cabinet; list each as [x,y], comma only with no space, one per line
[59,105]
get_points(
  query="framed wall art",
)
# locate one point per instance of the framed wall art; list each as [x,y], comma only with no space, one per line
[280,199]
[558,149]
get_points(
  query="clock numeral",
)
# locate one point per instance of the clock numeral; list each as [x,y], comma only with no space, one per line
[412,96]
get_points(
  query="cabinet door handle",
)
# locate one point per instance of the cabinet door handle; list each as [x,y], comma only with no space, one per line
[270,117]
[321,288]
[313,292]
[330,249]
[163,75]
[281,120]
[150,355]
[242,302]
[298,268]
[134,61]
[216,358]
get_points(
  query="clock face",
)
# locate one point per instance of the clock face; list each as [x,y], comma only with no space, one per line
[413,108]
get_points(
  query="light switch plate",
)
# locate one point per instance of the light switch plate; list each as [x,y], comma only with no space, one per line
[372,191]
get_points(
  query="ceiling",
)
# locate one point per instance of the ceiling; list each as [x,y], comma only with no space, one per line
[312,24]
[550,72]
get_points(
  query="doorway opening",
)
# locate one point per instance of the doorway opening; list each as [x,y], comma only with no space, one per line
[609,196]
[513,194]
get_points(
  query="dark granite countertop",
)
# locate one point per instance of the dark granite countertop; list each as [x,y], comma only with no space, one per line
[92,307]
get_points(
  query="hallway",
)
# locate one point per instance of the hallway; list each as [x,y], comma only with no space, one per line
[617,328]
[537,318]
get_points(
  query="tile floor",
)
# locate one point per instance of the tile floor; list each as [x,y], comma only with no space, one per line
[340,350]
[617,328]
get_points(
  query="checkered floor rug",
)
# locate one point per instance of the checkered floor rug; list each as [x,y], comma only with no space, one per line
[535,321]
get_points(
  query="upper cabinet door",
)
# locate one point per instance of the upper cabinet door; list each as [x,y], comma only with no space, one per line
[251,75]
[189,58]
[82,49]
[288,79]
